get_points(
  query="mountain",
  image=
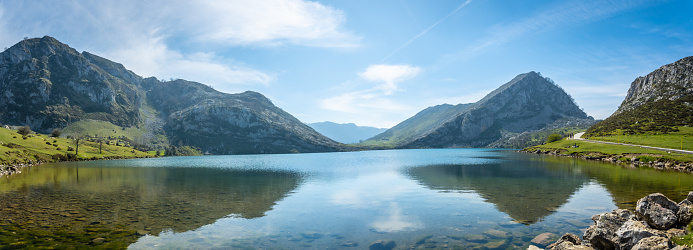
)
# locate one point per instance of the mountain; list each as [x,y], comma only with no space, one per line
[345,133]
[46,84]
[526,103]
[657,102]
[419,125]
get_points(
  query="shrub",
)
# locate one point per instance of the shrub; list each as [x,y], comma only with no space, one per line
[553,138]
[56,132]
[24,130]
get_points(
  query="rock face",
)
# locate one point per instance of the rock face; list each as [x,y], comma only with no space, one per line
[46,84]
[656,221]
[671,81]
[245,123]
[667,92]
[528,102]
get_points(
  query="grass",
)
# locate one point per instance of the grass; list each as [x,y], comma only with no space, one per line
[101,128]
[682,139]
[686,239]
[587,148]
[14,149]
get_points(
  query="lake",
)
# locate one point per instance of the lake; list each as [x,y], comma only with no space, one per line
[444,198]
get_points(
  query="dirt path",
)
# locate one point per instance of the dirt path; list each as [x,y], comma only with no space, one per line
[578,136]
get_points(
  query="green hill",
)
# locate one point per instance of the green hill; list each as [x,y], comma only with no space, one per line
[18,149]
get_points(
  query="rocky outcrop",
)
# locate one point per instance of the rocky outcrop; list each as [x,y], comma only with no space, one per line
[666,92]
[656,220]
[671,81]
[46,84]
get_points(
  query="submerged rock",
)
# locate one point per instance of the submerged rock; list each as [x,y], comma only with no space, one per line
[568,241]
[542,239]
[382,245]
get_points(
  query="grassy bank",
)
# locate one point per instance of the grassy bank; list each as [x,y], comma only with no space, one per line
[18,149]
[585,148]
[681,139]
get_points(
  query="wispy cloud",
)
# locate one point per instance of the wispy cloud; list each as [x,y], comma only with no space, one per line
[426,30]
[374,102]
[146,35]
[571,13]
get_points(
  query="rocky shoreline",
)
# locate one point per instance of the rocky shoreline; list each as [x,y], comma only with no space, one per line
[16,168]
[631,159]
[653,224]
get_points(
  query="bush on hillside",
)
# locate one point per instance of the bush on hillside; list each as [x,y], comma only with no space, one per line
[553,138]
[56,132]
[24,130]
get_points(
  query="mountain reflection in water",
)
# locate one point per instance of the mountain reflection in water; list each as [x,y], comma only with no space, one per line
[524,191]
[141,200]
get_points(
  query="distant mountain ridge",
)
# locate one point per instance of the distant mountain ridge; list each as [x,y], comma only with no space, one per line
[657,102]
[47,84]
[346,133]
[526,103]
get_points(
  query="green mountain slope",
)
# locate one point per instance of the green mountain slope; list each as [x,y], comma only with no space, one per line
[418,125]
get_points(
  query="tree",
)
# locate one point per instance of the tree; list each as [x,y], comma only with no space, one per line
[553,138]
[56,132]
[77,145]
[24,130]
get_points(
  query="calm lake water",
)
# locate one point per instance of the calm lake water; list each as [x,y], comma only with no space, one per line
[445,198]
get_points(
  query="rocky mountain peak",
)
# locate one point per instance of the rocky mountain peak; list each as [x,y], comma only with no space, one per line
[671,81]
[35,48]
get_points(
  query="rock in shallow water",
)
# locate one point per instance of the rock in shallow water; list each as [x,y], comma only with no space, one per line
[658,211]
[496,234]
[542,239]
[382,245]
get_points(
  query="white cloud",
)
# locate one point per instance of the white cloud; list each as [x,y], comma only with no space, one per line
[268,22]
[174,38]
[389,75]
[154,58]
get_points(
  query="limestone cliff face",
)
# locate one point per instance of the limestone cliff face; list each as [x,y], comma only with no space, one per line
[659,102]
[671,81]
[528,102]
[46,84]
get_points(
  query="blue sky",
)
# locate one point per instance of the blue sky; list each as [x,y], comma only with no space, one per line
[373,63]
